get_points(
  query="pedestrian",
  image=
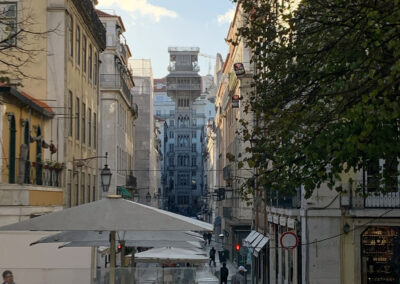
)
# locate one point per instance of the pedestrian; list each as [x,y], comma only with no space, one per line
[189,275]
[224,272]
[209,235]
[239,277]
[212,256]
[205,236]
[8,277]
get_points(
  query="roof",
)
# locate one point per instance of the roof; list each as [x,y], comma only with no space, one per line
[105,15]
[27,99]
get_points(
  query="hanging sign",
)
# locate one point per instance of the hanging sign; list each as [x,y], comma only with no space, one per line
[289,240]
[235,101]
[239,69]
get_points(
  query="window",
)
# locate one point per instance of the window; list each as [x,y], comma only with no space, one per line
[83,123]
[78,45]
[90,67]
[171,147]
[77,189]
[70,113]
[171,134]
[90,127]
[158,112]
[69,188]
[83,188]
[84,53]
[94,187]
[194,184]
[88,188]
[193,173]
[194,122]
[194,161]
[8,23]
[194,147]
[194,134]
[171,161]
[96,68]
[183,179]
[77,118]
[183,199]
[94,130]
[70,36]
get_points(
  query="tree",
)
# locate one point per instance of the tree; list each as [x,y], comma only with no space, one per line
[19,33]
[326,90]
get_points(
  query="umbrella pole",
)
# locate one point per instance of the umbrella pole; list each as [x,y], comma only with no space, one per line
[112,255]
[122,262]
[133,265]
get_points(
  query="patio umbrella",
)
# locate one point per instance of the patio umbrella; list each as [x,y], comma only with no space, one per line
[110,214]
[128,236]
[168,255]
[141,243]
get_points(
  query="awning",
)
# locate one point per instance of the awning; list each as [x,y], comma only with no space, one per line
[125,193]
[255,241]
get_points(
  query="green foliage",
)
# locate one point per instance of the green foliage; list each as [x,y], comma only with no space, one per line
[327,88]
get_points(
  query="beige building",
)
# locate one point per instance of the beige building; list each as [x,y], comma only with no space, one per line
[118,109]
[234,216]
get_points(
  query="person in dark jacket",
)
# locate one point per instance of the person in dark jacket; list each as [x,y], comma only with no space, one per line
[224,272]
[212,256]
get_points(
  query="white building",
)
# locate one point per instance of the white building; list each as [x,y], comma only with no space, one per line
[118,110]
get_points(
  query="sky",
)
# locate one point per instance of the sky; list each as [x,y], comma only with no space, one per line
[154,25]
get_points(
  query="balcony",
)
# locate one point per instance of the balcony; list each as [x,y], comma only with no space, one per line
[183,87]
[364,195]
[115,82]
[285,201]
[131,181]
[183,68]
[135,110]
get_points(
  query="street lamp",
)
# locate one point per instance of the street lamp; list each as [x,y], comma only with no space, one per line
[105,176]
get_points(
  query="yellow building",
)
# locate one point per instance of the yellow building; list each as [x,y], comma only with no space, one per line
[63,45]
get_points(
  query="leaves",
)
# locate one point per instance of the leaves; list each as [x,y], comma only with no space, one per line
[327,89]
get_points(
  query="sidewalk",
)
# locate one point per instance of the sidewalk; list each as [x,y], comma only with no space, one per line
[215,270]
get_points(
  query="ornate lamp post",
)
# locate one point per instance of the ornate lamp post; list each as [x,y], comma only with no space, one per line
[106,176]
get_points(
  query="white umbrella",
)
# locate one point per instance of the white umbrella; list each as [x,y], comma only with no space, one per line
[110,214]
[171,255]
[140,243]
[128,236]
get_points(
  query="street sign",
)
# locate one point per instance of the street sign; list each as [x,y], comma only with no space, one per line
[289,240]
[239,69]
[235,101]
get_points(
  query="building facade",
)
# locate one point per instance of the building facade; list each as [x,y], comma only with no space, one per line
[117,107]
[146,155]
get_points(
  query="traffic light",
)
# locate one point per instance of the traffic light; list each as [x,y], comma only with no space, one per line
[221,194]
[237,247]
[119,248]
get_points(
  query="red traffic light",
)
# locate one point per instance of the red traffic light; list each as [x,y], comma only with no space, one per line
[119,247]
[237,247]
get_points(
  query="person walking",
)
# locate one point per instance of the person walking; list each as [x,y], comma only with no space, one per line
[224,272]
[239,277]
[209,235]
[212,256]
[8,277]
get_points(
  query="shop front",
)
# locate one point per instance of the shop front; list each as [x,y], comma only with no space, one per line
[380,255]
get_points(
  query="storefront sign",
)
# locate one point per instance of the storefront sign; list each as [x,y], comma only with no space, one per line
[289,240]
[235,101]
[282,221]
[269,218]
[275,219]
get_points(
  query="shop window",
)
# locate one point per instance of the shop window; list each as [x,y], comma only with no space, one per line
[380,253]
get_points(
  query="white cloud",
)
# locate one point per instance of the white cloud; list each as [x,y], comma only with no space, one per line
[141,6]
[227,17]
